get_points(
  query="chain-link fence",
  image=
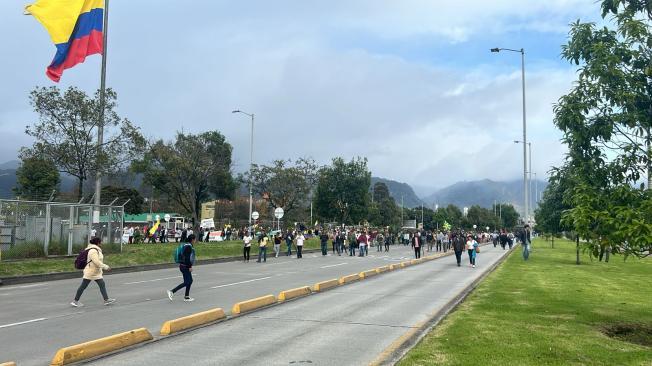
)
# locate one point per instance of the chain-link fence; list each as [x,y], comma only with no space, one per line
[32,229]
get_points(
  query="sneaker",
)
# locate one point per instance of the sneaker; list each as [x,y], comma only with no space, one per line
[109,301]
[474,266]
[76,304]
[170,295]
[188,299]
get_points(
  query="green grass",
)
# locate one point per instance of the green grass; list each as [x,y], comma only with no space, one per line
[137,254]
[547,311]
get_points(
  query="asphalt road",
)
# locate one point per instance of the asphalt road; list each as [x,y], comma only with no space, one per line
[36,319]
[349,325]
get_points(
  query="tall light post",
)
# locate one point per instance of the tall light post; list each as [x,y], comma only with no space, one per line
[528,171]
[525,188]
[251,165]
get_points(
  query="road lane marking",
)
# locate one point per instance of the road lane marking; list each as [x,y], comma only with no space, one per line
[154,280]
[21,323]
[334,265]
[241,282]
[21,287]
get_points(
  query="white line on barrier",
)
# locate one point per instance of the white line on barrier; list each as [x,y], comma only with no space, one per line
[20,323]
[154,280]
[334,265]
[241,282]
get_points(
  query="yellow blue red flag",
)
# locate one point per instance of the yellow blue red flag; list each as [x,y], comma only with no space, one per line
[76,28]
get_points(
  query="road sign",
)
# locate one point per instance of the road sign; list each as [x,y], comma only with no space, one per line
[255,215]
[278,213]
[167,217]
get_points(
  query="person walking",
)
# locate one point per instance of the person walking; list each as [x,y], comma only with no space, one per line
[388,240]
[263,240]
[503,239]
[93,271]
[416,244]
[362,243]
[300,240]
[458,247]
[247,247]
[277,244]
[352,242]
[471,246]
[186,261]
[524,237]
[288,242]
[324,243]
[380,240]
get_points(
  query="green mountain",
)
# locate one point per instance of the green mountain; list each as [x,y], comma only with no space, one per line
[398,190]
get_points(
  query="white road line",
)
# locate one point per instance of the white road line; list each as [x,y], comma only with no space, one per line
[20,323]
[24,286]
[241,282]
[334,265]
[154,280]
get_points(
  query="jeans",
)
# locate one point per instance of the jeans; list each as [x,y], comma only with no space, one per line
[417,252]
[458,256]
[363,249]
[387,246]
[187,280]
[246,252]
[324,248]
[289,244]
[299,248]
[351,250]
[277,249]
[85,283]
[526,251]
[262,253]
[471,256]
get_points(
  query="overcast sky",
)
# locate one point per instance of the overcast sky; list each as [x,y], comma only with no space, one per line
[409,84]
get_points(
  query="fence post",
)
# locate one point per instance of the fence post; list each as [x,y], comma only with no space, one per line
[122,225]
[109,229]
[48,229]
[90,222]
[70,230]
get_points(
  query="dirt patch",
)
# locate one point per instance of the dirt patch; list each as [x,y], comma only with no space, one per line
[630,332]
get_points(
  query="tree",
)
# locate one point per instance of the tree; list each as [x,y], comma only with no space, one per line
[508,214]
[36,179]
[66,133]
[342,191]
[284,184]
[122,194]
[606,120]
[384,211]
[190,170]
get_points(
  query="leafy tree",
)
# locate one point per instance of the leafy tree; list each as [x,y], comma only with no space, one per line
[342,191]
[509,215]
[122,194]
[284,184]
[384,211]
[607,120]
[66,133]
[36,179]
[190,170]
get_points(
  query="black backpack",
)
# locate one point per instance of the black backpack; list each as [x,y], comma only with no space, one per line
[82,259]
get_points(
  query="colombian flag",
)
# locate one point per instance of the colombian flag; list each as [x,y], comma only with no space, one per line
[75,27]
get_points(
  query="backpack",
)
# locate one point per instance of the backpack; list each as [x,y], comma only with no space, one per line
[178,254]
[82,259]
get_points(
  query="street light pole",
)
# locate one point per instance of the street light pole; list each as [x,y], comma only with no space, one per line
[525,183]
[251,165]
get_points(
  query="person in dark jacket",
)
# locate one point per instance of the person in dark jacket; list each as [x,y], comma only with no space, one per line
[524,237]
[187,260]
[416,244]
[323,238]
[458,246]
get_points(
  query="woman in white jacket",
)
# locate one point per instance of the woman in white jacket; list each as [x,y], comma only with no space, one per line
[93,272]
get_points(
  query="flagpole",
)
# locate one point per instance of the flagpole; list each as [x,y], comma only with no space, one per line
[100,126]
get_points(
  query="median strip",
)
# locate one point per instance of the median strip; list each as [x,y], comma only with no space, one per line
[8,364]
[97,347]
[253,304]
[325,285]
[367,274]
[294,293]
[191,321]
[349,278]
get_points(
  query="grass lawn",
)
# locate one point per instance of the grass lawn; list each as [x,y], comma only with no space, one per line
[137,254]
[547,311]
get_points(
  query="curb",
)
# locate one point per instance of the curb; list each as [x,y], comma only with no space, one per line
[399,348]
[350,278]
[18,280]
[294,293]
[253,304]
[8,364]
[367,274]
[101,346]
[192,321]
[325,285]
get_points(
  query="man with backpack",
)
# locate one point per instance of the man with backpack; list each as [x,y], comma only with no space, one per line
[185,256]
[91,261]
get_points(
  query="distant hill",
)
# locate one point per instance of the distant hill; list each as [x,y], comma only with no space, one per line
[7,182]
[483,193]
[398,189]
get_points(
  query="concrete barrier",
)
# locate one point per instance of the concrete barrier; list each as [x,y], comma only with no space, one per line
[349,278]
[325,285]
[382,269]
[367,274]
[191,321]
[416,261]
[8,364]
[97,347]
[294,293]
[406,264]
[253,304]
[395,266]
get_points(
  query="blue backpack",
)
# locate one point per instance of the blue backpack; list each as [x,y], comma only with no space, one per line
[178,254]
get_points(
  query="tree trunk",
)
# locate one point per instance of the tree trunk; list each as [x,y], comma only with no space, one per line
[601,253]
[80,188]
[577,249]
[553,242]
[608,250]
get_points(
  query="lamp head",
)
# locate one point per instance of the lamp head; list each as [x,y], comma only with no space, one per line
[517,142]
[236,111]
[495,49]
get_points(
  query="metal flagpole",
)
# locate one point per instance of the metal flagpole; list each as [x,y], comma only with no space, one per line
[100,125]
